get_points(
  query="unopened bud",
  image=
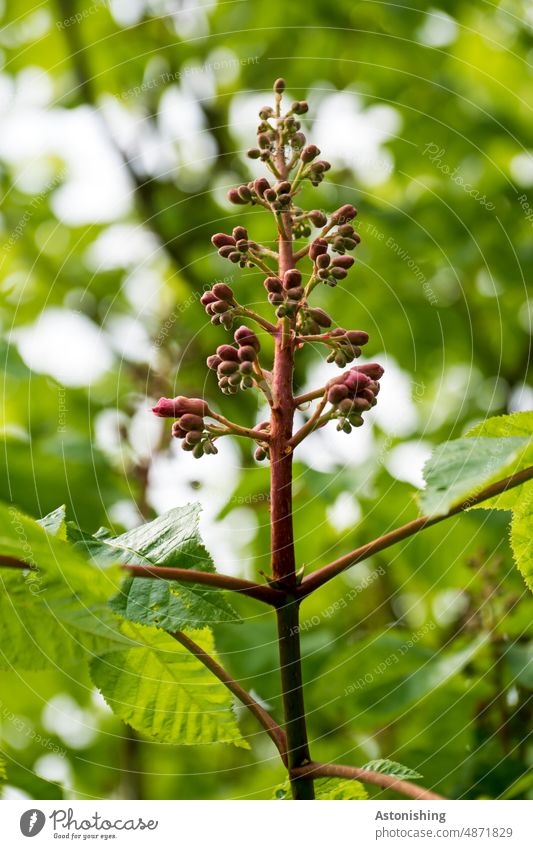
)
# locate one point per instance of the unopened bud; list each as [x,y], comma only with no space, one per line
[239,233]
[244,336]
[337,393]
[309,153]
[318,218]
[176,407]
[273,284]
[321,317]
[357,337]
[372,370]
[223,292]
[213,361]
[189,421]
[292,278]
[343,261]
[247,352]
[318,247]
[219,240]
[344,213]
[228,352]
[234,197]
[279,86]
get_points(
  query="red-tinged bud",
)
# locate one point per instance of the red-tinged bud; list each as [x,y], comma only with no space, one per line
[227,367]
[338,273]
[339,331]
[318,247]
[361,404]
[273,284]
[309,153]
[270,195]
[244,193]
[323,260]
[208,298]
[292,278]
[194,437]
[343,214]
[357,337]
[178,432]
[253,153]
[213,361]
[176,407]
[234,197]
[191,422]
[318,218]
[223,292]
[321,317]
[228,352]
[337,394]
[260,454]
[244,336]
[367,395]
[298,140]
[279,86]
[226,250]
[355,380]
[295,294]
[372,370]
[219,240]
[261,185]
[239,233]
[283,188]
[247,368]
[343,261]
[300,107]
[247,353]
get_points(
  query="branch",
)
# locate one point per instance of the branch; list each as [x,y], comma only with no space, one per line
[322,576]
[276,734]
[260,435]
[266,325]
[259,592]
[311,424]
[407,788]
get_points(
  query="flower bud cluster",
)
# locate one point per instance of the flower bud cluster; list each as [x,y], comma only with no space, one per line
[346,345]
[237,247]
[235,365]
[354,394]
[220,304]
[285,294]
[190,425]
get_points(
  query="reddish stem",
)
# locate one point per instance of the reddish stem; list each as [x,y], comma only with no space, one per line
[407,788]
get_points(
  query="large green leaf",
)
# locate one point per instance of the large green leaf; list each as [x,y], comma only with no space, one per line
[458,469]
[519,499]
[163,691]
[513,425]
[159,603]
[170,540]
[56,612]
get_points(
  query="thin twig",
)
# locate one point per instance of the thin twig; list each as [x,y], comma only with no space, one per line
[317,579]
[406,788]
[259,592]
[276,734]
[312,423]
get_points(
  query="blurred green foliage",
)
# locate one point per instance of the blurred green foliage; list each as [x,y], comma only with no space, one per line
[441,285]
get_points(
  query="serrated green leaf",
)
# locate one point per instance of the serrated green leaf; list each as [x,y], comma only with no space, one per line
[515,424]
[170,540]
[57,612]
[163,605]
[163,691]
[173,539]
[55,523]
[458,469]
[327,789]
[386,767]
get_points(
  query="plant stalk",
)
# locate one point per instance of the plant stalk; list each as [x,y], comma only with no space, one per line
[282,535]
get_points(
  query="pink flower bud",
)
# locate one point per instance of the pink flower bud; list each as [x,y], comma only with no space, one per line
[337,394]
[343,261]
[357,337]
[273,284]
[228,352]
[373,370]
[355,380]
[239,233]
[219,240]
[244,336]
[223,292]
[191,422]
[234,197]
[173,408]
[208,298]
[309,153]
[318,247]
[344,213]
[213,361]
[292,278]
[261,185]
[178,432]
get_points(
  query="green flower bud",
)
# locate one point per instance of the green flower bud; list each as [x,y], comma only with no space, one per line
[198,451]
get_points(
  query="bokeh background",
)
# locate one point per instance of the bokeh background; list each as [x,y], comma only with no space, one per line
[123,123]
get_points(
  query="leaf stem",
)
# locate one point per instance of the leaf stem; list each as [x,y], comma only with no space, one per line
[407,788]
[321,576]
